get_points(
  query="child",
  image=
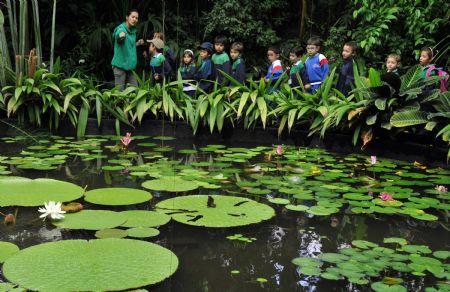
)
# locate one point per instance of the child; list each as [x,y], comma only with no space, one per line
[160,67]
[238,67]
[393,63]
[221,60]
[275,69]
[316,65]
[168,53]
[297,72]
[187,71]
[346,77]
[427,55]
[205,72]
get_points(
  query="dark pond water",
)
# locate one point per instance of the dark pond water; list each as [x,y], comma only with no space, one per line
[207,258]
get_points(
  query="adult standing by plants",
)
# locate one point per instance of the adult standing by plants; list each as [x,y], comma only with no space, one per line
[125,56]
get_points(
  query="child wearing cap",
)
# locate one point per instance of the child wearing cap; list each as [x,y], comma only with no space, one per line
[187,71]
[159,66]
[221,60]
[167,51]
[205,73]
[238,67]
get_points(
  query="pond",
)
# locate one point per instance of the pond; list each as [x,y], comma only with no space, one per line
[305,219]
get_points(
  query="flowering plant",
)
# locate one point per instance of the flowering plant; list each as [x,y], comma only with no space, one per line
[52,209]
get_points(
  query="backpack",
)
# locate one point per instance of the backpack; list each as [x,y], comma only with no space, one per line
[441,73]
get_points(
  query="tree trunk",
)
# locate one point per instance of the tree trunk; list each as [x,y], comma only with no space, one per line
[303,7]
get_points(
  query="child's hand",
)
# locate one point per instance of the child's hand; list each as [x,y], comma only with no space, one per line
[288,68]
[140,42]
[156,76]
[307,86]
[122,35]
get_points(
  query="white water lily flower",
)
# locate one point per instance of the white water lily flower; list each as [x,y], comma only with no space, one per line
[52,209]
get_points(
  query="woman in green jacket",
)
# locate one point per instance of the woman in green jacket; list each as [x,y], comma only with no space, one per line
[125,56]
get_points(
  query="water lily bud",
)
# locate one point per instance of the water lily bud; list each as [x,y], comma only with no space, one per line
[72,207]
[10,219]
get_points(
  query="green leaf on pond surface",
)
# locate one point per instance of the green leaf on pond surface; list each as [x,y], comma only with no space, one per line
[297,207]
[333,257]
[442,254]
[261,280]
[142,232]
[279,201]
[398,240]
[381,287]
[416,249]
[164,138]
[322,211]
[95,265]
[142,218]
[111,233]
[170,184]
[7,249]
[117,196]
[20,191]
[215,210]
[91,220]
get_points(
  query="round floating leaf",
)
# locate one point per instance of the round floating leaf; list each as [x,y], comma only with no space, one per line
[7,249]
[380,287]
[96,265]
[170,184]
[215,210]
[442,254]
[307,262]
[310,271]
[297,207]
[416,249]
[117,196]
[424,216]
[357,197]
[164,138]
[261,280]
[333,257]
[364,244]
[111,233]
[91,220]
[322,211]
[398,240]
[279,201]
[142,218]
[143,232]
[20,191]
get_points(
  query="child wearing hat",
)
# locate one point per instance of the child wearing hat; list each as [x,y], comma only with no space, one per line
[159,66]
[205,73]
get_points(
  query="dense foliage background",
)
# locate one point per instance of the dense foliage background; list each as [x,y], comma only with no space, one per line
[83,28]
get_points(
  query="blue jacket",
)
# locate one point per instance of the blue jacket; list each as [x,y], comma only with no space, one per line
[205,74]
[317,69]
[238,70]
[346,77]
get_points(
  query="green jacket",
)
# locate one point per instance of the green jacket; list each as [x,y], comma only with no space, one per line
[125,56]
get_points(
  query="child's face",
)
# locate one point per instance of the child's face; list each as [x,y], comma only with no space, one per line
[272,56]
[234,54]
[312,50]
[347,52]
[424,58]
[293,58]
[219,47]
[204,54]
[187,59]
[391,64]
[152,48]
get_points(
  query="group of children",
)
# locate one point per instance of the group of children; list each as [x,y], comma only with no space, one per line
[215,63]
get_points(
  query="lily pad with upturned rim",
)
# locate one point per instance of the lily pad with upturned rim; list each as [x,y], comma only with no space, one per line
[227,211]
[96,265]
[111,233]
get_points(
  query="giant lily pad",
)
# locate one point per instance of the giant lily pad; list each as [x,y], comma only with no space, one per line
[170,184]
[224,211]
[91,220]
[117,196]
[96,265]
[21,191]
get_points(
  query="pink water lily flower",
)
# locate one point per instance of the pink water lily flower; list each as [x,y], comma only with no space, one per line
[279,151]
[441,189]
[386,197]
[126,140]
[373,159]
